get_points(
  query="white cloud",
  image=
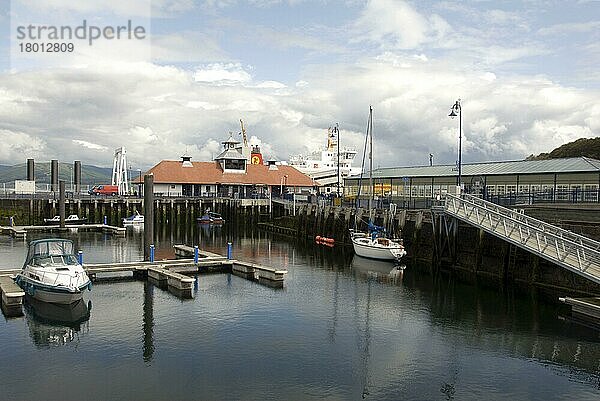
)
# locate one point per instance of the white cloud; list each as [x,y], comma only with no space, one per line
[579,27]
[131,8]
[159,112]
[186,47]
[270,85]
[16,144]
[89,145]
[409,73]
[220,73]
[393,21]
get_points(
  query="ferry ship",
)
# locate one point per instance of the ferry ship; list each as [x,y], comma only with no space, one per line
[322,165]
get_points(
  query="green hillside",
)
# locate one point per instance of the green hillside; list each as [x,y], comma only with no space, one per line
[588,147]
[89,174]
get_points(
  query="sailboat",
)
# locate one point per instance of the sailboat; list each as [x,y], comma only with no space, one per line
[374,243]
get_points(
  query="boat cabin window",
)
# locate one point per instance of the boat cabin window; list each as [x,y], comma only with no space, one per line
[383,241]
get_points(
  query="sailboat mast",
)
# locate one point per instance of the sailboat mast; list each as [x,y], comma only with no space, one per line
[371,191]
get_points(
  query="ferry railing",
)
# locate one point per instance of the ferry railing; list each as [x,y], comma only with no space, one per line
[570,250]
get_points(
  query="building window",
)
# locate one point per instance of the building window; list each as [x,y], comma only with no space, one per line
[235,164]
[491,189]
[523,188]
[208,188]
[562,192]
[500,190]
[172,186]
[591,192]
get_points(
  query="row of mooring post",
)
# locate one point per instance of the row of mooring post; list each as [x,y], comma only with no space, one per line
[152,252]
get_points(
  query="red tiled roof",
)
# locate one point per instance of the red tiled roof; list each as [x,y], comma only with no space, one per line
[172,172]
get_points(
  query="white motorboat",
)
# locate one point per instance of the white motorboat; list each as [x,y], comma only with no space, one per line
[51,272]
[134,220]
[71,219]
[375,243]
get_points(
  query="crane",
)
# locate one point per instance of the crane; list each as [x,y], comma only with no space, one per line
[244,133]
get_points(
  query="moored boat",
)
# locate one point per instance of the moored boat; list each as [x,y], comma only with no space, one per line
[51,272]
[133,220]
[211,218]
[71,219]
[375,243]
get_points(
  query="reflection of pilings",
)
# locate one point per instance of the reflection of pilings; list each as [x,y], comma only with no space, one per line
[367,344]
[54,175]
[61,203]
[148,321]
[148,214]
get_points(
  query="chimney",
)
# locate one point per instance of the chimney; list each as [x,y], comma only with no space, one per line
[272,165]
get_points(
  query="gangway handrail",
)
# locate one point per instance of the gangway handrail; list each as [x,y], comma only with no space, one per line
[570,237]
[571,250]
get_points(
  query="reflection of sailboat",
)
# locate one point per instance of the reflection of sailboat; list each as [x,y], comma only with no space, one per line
[381,270]
[55,324]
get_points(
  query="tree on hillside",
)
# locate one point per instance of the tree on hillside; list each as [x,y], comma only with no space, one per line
[588,147]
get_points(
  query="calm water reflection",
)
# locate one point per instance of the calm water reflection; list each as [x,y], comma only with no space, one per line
[342,328]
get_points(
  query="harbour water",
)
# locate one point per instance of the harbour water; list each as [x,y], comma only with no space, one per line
[342,328]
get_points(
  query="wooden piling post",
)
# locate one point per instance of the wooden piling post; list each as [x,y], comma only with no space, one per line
[148,214]
[61,202]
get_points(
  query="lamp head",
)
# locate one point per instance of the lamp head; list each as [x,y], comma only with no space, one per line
[452,113]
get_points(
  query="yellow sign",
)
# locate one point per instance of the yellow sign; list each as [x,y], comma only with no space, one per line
[382,189]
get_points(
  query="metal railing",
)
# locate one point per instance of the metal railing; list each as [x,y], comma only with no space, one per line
[562,247]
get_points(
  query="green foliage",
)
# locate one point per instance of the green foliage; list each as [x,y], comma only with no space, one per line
[587,147]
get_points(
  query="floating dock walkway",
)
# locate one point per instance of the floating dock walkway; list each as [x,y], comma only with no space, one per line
[12,297]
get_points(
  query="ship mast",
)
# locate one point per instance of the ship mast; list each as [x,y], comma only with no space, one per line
[372,192]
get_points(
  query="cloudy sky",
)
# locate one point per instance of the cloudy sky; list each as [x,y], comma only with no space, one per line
[526,71]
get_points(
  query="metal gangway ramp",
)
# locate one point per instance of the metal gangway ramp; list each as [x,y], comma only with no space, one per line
[571,251]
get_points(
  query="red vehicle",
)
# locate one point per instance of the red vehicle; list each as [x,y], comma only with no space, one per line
[111,190]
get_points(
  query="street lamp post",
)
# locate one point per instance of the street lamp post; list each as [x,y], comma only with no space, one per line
[336,129]
[283,180]
[456,107]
